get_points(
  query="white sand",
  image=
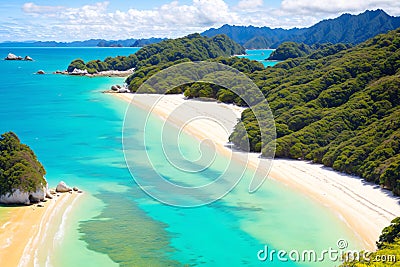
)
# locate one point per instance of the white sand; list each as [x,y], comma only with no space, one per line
[365,207]
[29,230]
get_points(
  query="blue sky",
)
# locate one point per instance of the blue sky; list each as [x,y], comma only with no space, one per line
[121,19]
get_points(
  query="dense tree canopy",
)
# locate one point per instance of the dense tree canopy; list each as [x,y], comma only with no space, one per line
[193,47]
[290,50]
[19,167]
[193,90]
[341,110]
[294,50]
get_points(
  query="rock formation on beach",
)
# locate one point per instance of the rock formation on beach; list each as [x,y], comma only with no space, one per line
[25,198]
[62,187]
[119,89]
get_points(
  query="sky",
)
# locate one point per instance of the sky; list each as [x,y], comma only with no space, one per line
[46,20]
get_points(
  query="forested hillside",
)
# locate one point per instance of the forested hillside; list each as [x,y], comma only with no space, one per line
[294,50]
[195,90]
[193,47]
[341,110]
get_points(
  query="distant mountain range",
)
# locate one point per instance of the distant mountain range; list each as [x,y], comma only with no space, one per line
[353,29]
[88,43]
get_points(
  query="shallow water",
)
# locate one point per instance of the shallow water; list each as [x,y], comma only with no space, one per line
[75,130]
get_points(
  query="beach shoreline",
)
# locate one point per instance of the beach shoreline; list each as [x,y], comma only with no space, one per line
[348,197]
[29,228]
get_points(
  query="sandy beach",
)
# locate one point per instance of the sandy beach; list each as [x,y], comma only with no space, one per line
[364,207]
[28,229]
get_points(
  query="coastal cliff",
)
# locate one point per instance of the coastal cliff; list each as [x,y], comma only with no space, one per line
[21,174]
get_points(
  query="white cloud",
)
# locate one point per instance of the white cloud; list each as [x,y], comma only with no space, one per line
[173,19]
[31,8]
[249,4]
[338,6]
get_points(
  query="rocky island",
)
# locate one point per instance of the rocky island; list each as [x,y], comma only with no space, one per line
[11,56]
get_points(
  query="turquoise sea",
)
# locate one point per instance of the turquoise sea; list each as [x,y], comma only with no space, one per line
[260,55]
[75,130]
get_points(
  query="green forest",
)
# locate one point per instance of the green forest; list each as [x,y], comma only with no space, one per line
[289,50]
[19,167]
[341,110]
[193,47]
[194,90]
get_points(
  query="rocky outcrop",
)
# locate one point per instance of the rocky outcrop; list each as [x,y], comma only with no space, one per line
[123,90]
[24,198]
[38,196]
[79,72]
[49,195]
[62,187]
[115,88]
[17,197]
[27,198]
[11,56]
[40,72]
[119,89]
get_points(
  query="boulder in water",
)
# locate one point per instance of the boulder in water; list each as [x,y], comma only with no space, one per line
[40,72]
[28,58]
[11,56]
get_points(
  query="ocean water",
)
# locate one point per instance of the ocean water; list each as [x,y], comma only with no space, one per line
[75,130]
[261,55]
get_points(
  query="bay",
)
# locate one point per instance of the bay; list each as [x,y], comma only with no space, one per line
[75,130]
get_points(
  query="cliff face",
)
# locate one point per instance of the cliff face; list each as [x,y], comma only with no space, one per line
[25,198]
